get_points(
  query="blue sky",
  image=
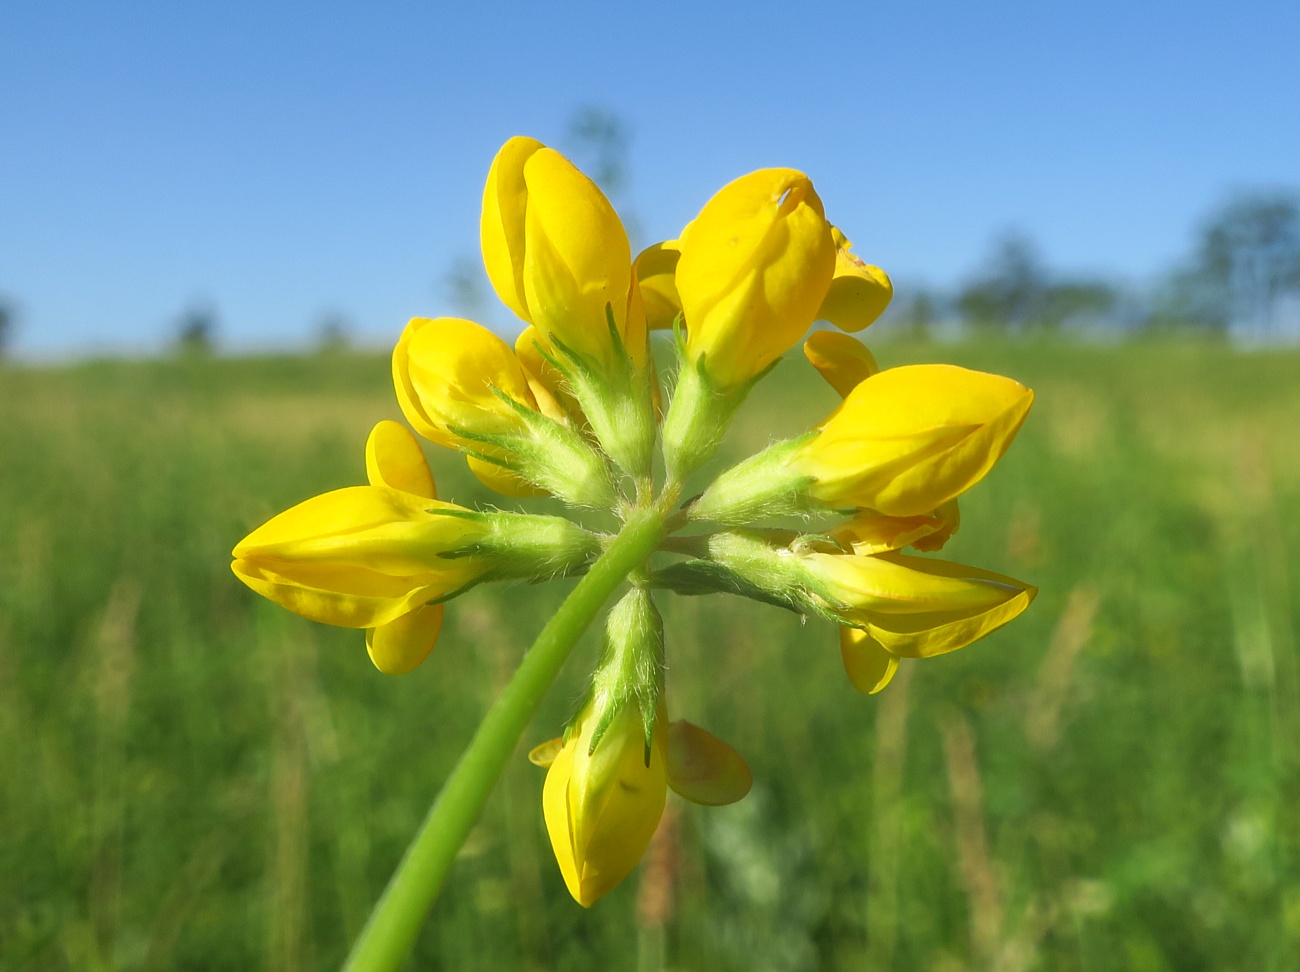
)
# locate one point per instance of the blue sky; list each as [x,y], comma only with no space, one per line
[289,161]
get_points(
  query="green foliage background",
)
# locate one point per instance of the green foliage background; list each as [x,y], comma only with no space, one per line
[195,779]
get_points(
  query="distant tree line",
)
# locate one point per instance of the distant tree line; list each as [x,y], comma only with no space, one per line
[1241,278]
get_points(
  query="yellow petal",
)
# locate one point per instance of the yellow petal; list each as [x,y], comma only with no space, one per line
[370,527]
[923,635]
[349,598]
[502,480]
[501,228]
[544,754]
[400,646]
[394,459]
[559,826]
[444,370]
[576,258]
[754,268]
[843,361]
[655,270]
[892,583]
[872,533]
[869,666]
[859,292]
[704,769]
[602,807]
[908,440]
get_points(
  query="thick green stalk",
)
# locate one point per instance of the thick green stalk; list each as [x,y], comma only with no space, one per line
[395,922]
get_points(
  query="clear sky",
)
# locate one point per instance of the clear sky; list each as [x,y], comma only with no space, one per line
[288,161]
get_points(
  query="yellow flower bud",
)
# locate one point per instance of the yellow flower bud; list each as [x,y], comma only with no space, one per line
[602,807]
[755,266]
[359,557]
[888,584]
[859,292]
[907,440]
[450,376]
[556,252]
[601,810]
[444,370]
[903,442]
[916,607]
[912,606]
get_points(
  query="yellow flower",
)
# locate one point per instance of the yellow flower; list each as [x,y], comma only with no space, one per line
[904,442]
[461,386]
[359,557]
[602,806]
[859,292]
[444,370]
[891,591]
[755,267]
[556,252]
[907,440]
[913,606]
[948,607]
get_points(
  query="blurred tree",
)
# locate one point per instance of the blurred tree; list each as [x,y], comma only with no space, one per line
[333,334]
[1011,291]
[1016,291]
[196,329]
[8,325]
[1247,262]
[1080,302]
[918,313]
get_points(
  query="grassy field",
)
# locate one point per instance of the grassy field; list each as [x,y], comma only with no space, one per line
[195,779]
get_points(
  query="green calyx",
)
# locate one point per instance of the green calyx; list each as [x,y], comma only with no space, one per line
[616,399]
[699,413]
[552,456]
[764,486]
[759,565]
[631,668]
[527,546]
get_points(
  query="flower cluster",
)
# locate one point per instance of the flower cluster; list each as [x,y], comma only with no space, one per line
[574,410]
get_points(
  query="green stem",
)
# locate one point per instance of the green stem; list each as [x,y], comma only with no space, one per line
[395,922]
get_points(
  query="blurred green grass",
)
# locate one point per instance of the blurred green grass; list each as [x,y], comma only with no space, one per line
[195,779]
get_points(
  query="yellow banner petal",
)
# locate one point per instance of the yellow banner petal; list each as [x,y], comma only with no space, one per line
[866,662]
[843,361]
[394,459]
[401,645]
[754,269]
[859,292]
[501,227]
